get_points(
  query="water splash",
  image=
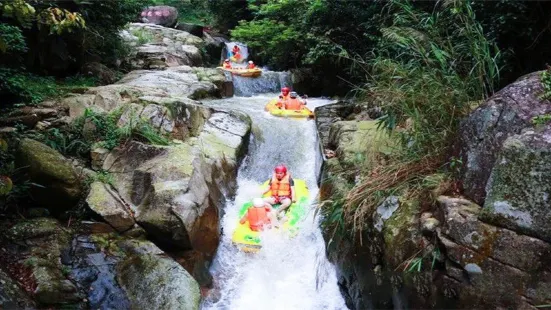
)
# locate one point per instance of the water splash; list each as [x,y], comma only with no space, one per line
[287,273]
[268,82]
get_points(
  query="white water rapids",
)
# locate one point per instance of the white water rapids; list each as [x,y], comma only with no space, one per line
[287,273]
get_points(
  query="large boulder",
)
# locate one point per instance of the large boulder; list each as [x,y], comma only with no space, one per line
[154,281]
[483,133]
[162,15]
[489,266]
[104,201]
[167,88]
[59,185]
[101,72]
[354,140]
[157,47]
[12,296]
[178,82]
[519,188]
[176,192]
[41,245]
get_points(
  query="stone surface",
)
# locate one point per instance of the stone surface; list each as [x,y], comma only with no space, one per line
[162,15]
[327,115]
[60,186]
[353,140]
[101,72]
[12,296]
[519,187]
[175,83]
[482,134]
[157,47]
[176,192]
[104,201]
[502,266]
[42,244]
[153,281]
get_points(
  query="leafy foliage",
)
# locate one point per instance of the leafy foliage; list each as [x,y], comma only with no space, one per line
[428,66]
[546,83]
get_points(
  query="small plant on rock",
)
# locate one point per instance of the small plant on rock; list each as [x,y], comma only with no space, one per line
[546,83]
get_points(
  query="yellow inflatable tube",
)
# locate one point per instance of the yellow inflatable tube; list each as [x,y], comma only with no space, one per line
[248,240]
[244,71]
[274,110]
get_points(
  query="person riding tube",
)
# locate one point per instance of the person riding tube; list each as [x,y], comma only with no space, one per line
[258,215]
[251,65]
[282,187]
[294,103]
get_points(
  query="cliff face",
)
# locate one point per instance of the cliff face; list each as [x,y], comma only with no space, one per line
[488,249]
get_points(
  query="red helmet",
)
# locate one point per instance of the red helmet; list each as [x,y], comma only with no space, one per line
[280,169]
[285,90]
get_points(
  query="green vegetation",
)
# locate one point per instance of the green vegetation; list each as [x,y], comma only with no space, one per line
[43,39]
[546,83]
[541,119]
[423,75]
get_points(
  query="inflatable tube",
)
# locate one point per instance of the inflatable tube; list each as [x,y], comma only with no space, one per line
[274,110]
[244,72]
[248,240]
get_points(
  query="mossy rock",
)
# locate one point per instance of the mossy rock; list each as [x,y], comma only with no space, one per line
[156,282]
[401,233]
[519,188]
[60,188]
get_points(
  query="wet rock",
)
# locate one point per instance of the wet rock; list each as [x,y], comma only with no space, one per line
[519,188]
[106,203]
[93,267]
[12,296]
[483,133]
[156,282]
[43,242]
[57,177]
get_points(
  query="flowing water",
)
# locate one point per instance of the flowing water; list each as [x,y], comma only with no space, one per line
[287,273]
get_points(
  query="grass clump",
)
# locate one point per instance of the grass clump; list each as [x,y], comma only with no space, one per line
[426,69]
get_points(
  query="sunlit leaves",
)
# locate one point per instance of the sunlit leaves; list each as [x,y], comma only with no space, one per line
[59,20]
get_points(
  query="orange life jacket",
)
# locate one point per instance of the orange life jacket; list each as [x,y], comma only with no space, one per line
[293,104]
[281,188]
[251,66]
[258,217]
[227,65]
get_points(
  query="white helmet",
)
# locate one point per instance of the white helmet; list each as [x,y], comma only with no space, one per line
[250,61]
[258,202]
